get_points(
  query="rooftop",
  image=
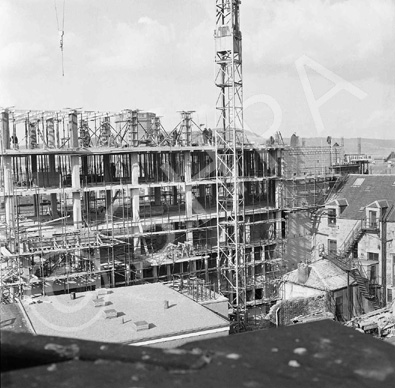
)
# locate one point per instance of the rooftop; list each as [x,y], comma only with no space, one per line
[362,190]
[323,275]
[60,315]
[321,354]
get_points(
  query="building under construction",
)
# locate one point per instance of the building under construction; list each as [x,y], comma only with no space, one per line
[101,200]
[107,199]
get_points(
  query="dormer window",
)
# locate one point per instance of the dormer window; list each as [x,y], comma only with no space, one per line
[331,217]
[372,219]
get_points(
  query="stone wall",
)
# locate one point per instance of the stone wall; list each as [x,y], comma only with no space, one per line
[295,307]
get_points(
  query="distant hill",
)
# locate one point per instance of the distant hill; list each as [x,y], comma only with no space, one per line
[377,148]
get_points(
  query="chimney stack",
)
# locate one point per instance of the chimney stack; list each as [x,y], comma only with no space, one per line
[303,273]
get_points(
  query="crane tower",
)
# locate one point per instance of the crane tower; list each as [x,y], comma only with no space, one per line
[229,153]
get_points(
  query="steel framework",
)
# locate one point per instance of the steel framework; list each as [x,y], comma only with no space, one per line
[229,151]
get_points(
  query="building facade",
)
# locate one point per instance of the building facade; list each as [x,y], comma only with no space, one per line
[356,231]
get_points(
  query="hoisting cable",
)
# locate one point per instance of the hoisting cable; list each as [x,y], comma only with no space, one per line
[61,31]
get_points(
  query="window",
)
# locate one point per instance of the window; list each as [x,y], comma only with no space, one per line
[332,247]
[373,256]
[358,182]
[389,295]
[331,217]
[372,219]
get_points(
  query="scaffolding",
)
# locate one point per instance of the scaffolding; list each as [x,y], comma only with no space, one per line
[105,199]
[97,199]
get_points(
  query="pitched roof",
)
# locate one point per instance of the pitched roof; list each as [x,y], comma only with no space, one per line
[324,275]
[390,156]
[362,190]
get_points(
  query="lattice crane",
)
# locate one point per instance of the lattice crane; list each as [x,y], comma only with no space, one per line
[229,139]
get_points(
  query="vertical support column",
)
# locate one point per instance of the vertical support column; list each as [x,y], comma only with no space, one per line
[135,197]
[133,128]
[383,268]
[75,171]
[36,203]
[188,184]
[96,262]
[188,195]
[52,170]
[248,230]
[107,167]
[186,128]
[7,169]
[5,131]
[8,193]
[84,161]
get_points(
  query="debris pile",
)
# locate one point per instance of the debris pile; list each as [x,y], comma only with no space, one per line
[380,323]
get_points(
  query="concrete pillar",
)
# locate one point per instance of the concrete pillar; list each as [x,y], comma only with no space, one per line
[34,175]
[108,177]
[278,226]
[96,263]
[248,231]
[75,184]
[75,171]
[84,161]
[8,192]
[52,170]
[135,198]
[188,185]
[189,237]
[73,129]
[5,131]
[7,168]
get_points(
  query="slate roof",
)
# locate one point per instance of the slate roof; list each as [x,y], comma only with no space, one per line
[324,275]
[362,190]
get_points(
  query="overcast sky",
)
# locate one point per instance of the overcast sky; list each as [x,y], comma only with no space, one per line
[158,55]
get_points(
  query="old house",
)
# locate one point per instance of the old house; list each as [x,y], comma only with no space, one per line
[356,232]
[322,278]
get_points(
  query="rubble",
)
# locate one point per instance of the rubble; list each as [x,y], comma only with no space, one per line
[380,323]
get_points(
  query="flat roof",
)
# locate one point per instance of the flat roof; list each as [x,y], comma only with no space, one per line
[59,315]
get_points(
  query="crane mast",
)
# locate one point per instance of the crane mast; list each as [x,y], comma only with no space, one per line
[229,153]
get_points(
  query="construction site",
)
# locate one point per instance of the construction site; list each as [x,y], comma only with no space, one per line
[110,199]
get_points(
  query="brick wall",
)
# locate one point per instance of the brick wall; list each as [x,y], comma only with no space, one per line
[300,161]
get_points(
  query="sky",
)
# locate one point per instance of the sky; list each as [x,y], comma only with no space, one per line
[310,67]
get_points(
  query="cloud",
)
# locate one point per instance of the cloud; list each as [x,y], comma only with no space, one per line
[134,46]
[13,53]
[357,34]
[24,47]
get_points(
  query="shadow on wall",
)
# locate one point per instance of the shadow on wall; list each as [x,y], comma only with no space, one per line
[298,244]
